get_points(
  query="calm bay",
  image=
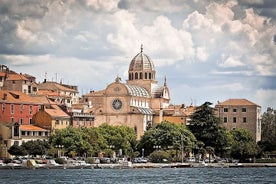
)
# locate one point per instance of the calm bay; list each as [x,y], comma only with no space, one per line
[136,176]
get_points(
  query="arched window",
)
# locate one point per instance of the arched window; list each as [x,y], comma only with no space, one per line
[129,76]
[149,75]
[141,75]
[136,75]
[146,75]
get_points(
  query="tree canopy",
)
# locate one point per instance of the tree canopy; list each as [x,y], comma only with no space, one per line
[166,135]
[95,140]
[244,145]
[208,128]
[268,140]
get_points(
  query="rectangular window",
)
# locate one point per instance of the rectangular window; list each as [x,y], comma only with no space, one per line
[57,122]
[12,120]
[12,108]
[3,106]
[225,109]
[225,119]
[31,121]
[234,110]
[31,109]
[244,119]
[23,133]
[40,133]
[21,121]
[243,109]
[234,120]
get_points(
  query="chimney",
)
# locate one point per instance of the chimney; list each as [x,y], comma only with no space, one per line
[5,96]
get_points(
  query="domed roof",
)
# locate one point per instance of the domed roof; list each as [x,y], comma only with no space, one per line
[141,62]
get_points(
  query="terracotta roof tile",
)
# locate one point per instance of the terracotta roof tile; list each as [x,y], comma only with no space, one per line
[16,76]
[2,74]
[238,102]
[55,111]
[54,86]
[31,128]
[17,97]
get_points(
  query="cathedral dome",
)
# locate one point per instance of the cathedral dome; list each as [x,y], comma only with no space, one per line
[141,67]
[141,62]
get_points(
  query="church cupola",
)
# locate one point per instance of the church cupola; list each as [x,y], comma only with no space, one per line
[141,67]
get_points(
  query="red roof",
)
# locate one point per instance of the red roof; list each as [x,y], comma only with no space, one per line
[237,102]
[55,111]
[16,76]
[31,128]
[16,97]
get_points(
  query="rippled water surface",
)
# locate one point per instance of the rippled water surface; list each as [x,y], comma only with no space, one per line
[135,176]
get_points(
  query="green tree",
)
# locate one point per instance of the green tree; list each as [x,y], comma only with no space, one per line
[37,147]
[166,135]
[208,128]
[117,137]
[73,140]
[243,146]
[268,137]
[17,150]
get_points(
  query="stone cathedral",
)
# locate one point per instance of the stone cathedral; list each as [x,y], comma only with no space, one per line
[134,103]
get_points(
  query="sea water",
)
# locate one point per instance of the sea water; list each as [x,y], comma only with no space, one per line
[136,176]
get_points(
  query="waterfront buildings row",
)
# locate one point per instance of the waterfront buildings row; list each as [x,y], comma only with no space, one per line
[31,110]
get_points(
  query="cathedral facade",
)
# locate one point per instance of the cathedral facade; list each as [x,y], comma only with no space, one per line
[134,103]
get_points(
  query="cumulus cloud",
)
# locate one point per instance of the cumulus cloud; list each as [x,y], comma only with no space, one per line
[231,62]
[207,39]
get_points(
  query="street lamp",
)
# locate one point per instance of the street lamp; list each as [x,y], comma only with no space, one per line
[156,146]
[143,152]
[59,147]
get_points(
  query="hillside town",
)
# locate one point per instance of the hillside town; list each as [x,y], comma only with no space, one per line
[31,110]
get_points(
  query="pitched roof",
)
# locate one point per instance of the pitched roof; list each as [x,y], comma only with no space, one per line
[17,97]
[54,86]
[2,74]
[43,99]
[15,76]
[31,128]
[94,93]
[237,102]
[56,111]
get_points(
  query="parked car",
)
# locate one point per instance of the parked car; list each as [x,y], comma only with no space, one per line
[140,160]
[191,159]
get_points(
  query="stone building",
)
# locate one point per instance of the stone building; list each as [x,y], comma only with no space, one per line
[10,80]
[60,93]
[131,103]
[240,113]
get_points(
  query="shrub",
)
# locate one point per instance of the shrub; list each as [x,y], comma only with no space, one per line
[159,156]
[90,160]
[59,160]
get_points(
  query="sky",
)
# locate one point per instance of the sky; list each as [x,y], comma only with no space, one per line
[209,50]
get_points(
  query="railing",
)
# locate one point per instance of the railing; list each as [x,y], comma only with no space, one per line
[76,114]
